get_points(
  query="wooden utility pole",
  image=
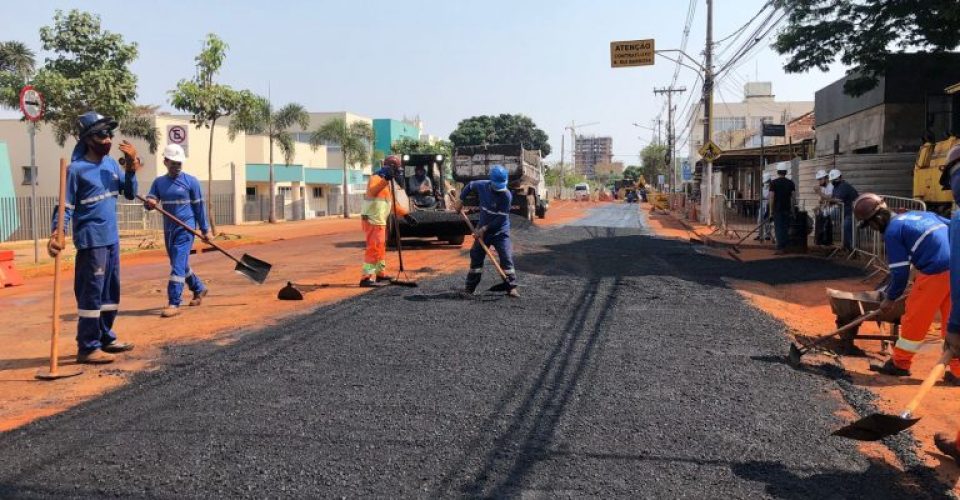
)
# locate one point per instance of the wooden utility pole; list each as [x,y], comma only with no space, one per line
[669,91]
[706,195]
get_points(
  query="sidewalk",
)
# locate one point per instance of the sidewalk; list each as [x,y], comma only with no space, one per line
[803,307]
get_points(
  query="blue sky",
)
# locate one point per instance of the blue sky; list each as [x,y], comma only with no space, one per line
[444,60]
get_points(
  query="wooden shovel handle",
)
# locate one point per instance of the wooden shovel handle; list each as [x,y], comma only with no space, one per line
[61,211]
[929,382]
[484,246]
[196,233]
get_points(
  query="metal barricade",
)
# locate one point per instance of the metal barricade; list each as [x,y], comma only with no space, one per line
[869,242]
[135,222]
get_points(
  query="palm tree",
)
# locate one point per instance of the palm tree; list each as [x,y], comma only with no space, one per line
[261,119]
[355,142]
[17,58]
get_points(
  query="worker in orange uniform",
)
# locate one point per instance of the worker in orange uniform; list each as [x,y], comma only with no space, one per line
[376,212]
[919,239]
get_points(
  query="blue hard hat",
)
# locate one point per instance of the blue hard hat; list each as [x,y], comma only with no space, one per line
[498,177]
[91,122]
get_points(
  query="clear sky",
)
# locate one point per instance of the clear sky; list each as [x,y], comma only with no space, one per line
[444,60]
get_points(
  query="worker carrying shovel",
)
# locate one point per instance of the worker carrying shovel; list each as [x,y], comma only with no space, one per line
[919,239]
[180,194]
[493,229]
[376,212]
[94,181]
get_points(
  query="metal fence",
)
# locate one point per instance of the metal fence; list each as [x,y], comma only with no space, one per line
[335,203]
[735,217]
[256,208]
[132,220]
[869,242]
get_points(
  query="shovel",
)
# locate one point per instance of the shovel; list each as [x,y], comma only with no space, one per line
[878,426]
[735,249]
[499,287]
[797,352]
[295,291]
[396,228]
[248,266]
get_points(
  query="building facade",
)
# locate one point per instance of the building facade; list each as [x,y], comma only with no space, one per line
[591,151]
[388,131]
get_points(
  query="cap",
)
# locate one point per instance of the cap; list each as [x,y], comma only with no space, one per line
[498,177]
[91,122]
[782,167]
[174,152]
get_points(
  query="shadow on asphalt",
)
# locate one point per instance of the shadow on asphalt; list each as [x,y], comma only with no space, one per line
[784,484]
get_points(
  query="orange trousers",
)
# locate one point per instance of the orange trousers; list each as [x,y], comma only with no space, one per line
[374,258]
[930,294]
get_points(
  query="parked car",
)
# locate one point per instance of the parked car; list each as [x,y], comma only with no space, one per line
[581,192]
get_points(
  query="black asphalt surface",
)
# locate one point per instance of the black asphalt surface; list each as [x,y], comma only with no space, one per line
[627,370]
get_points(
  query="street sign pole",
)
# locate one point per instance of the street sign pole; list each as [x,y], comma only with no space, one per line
[33,192]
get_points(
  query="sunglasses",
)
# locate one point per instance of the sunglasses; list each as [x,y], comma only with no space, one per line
[103,134]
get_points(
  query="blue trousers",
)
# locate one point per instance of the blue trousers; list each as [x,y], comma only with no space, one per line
[848,230]
[781,227]
[96,284]
[953,325]
[179,242]
[500,243]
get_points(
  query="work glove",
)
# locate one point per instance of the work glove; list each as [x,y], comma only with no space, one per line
[952,343]
[130,160]
[386,173]
[53,245]
[886,306]
[410,220]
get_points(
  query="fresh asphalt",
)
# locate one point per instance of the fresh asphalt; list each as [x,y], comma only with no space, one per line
[628,369]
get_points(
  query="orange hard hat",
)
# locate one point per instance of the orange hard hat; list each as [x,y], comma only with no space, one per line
[392,161]
[866,206]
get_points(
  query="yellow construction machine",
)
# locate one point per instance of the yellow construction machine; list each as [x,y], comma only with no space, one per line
[930,161]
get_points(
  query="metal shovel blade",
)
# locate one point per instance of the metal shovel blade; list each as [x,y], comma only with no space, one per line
[500,287]
[793,359]
[876,427]
[253,269]
[290,292]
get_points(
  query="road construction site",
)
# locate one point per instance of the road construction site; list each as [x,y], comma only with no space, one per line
[636,364]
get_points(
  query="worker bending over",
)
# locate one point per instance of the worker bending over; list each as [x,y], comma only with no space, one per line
[179,193]
[94,181]
[493,228]
[919,239]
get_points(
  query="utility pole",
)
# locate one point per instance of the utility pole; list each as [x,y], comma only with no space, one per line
[563,140]
[706,195]
[669,91]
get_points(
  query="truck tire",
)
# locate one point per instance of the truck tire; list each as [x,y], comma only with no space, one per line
[531,207]
[541,211]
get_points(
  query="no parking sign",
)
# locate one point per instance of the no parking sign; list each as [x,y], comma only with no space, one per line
[177,134]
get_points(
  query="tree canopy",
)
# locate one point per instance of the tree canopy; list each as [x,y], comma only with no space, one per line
[500,129]
[406,145]
[861,33]
[653,158]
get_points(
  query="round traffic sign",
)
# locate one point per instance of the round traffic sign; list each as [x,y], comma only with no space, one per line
[31,103]
[177,134]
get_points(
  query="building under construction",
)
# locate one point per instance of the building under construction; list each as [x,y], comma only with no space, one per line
[591,151]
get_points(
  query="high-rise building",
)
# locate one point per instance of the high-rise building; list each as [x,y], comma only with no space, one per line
[591,151]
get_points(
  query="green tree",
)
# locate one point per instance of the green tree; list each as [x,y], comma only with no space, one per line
[500,129]
[208,101]
[862,33]
[355,141]
[261,119]
[653,159]
[632,173]
[16,68]
[405,145]
[88,70]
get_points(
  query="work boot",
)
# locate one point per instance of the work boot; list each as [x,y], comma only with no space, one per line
[513,293]
[115,347]
[198,297]
[371,283]
[951,379]
[947,446]
[889,368]
[170,311]
[96,357]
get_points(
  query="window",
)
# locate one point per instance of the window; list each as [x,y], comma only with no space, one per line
[284,190]
[728,123]
[756,121]
[251,190]
[28,177]
[317,192]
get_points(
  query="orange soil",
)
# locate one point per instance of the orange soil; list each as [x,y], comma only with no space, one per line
[325,251]
[804,309]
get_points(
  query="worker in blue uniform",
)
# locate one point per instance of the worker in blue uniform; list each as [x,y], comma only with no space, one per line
[179,193]
[493,228]
[94,181]
[950,179]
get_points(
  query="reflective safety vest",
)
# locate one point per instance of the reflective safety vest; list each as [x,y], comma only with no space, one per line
[376,202]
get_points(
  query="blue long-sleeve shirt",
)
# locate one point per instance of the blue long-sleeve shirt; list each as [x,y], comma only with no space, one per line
[846,194]
[91,200]
[183,198]
[918,238]
[494,207]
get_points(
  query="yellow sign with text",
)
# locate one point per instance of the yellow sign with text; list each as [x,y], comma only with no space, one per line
[628,53]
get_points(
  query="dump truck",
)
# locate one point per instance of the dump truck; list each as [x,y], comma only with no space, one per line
[524,169]
[933,156]
[431,210]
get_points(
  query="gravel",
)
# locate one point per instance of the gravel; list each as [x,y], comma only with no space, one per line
[628,369]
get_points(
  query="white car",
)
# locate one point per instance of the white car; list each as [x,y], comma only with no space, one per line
[581,192]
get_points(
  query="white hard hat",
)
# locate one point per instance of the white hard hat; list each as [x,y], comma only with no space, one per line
[821,174]
[783,167]
[835,174]
[766,177]
[174,152]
